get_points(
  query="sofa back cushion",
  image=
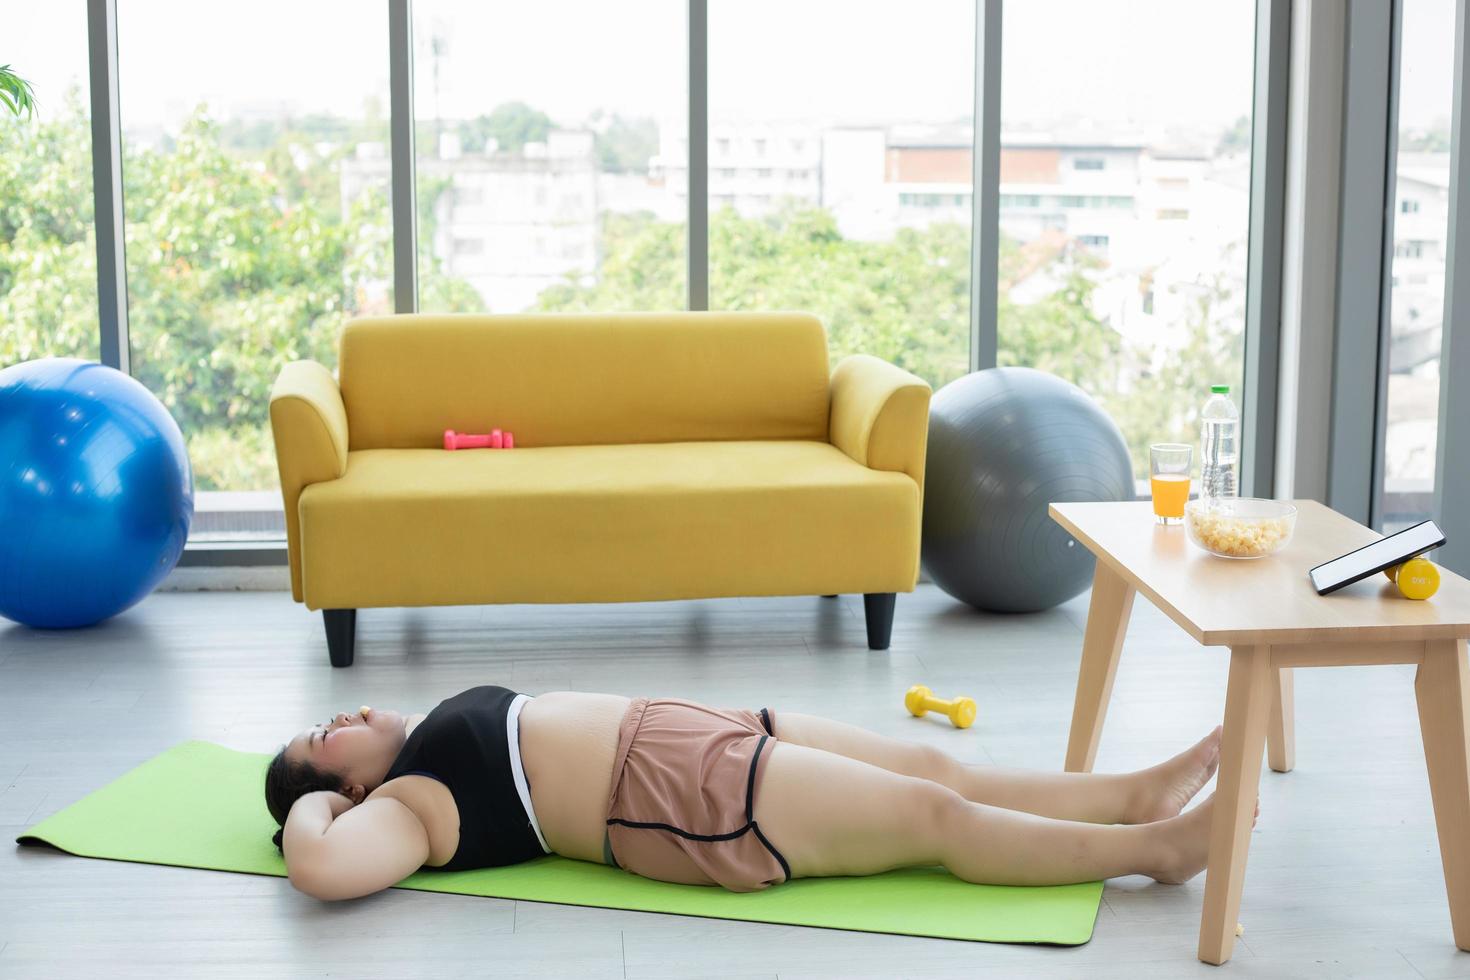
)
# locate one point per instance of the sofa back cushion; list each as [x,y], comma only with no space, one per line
[565,379]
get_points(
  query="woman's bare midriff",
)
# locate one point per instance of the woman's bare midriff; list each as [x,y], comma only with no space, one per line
[568,741]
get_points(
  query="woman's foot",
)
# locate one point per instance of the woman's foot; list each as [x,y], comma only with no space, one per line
[1165,789]
[1184,847]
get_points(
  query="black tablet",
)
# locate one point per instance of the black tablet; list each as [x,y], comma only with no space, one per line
[1372,558]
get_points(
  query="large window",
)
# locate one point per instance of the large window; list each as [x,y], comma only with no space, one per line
[1125,202]
[255,220]
[48,243]
[552,173]
[544,133]
[840,172]
[1417,279]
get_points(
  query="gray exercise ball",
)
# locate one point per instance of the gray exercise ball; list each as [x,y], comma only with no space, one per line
[1003,444]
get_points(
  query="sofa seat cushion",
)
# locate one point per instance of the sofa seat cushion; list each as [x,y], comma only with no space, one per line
[610,523]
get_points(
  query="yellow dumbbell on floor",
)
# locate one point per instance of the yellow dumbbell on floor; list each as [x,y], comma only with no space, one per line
[960,711]
[1416,578]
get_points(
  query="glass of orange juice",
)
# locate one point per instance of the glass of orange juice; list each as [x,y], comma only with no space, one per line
[1168,467]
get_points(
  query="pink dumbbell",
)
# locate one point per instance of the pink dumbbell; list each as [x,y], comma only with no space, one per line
[495,439]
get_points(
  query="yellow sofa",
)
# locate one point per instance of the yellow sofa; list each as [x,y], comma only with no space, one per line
[657,456]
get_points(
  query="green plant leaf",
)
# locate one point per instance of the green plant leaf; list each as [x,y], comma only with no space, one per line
[17,93]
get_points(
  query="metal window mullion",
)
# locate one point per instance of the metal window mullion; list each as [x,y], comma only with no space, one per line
[107,184]
[1452,460]
[1364,232]
[403,179]
[1309,267]
[697,237]
[985,188]
[1271,101]
[1379,443]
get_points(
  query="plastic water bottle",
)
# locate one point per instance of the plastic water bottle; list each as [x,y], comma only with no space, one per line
[1219,440]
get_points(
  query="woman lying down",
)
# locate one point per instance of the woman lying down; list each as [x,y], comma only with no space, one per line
[680,791]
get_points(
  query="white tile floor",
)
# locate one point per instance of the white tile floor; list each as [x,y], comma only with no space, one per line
[1344,877]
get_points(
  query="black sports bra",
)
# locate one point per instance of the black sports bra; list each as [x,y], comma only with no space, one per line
[470,743]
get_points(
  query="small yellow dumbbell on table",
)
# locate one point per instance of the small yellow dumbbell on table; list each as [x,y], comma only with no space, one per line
[960,711]
[1416,578]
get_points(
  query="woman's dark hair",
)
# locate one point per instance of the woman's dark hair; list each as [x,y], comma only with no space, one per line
[286,782]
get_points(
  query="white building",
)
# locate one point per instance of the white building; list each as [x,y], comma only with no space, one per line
[1420,237]
[1416,316]
[508,224]
[752,169]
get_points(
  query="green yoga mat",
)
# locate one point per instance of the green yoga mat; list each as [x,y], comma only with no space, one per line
[201,805]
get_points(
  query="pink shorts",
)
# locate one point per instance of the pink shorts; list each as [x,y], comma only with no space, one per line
[683,796]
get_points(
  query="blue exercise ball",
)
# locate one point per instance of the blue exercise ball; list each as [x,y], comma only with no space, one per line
[96,492]
[1005,443]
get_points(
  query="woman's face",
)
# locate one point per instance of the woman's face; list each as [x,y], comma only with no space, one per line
[360,745]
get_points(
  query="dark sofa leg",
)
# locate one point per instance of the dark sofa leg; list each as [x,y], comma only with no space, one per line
[341,630]
[878,608]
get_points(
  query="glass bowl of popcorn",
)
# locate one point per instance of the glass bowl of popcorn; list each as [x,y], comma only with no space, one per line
[1239,527]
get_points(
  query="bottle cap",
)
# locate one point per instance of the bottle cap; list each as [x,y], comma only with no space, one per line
[1220,389]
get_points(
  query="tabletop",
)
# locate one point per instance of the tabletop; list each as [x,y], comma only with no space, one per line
[1263,600]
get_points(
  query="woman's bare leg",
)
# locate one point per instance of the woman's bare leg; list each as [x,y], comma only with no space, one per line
[1135,797]
[832,815]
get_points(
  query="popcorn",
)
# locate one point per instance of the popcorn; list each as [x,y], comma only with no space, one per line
[1237,537]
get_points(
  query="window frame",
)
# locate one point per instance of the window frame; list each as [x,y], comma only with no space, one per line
[1263,289]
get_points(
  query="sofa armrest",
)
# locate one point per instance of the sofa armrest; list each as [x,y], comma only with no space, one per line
[309,425]
[880,415]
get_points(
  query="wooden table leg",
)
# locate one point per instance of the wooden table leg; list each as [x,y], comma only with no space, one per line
[1441,690]
[1107,622]
[1247,710]
[1281,734]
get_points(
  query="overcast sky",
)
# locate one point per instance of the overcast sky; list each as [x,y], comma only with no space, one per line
[1120,63]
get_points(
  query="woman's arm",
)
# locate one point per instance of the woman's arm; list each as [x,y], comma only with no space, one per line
[333,854]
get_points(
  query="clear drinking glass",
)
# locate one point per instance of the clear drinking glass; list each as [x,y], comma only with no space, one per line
[1168,469]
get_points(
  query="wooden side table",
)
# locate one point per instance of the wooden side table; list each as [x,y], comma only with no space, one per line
[1273,621]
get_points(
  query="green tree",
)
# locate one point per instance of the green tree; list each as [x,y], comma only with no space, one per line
[1153,395]
[906,299]
[624,145]
[1058,333]
[1161,399]
[511,124]
[225,281]
[234,268]
[48,254]
[642,269]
